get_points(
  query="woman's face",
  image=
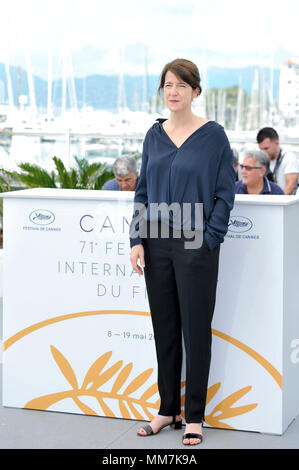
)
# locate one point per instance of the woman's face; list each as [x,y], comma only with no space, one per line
[178,94]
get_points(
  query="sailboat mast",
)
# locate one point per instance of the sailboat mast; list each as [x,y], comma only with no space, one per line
[64,72]
[145,81]
[30,84]
[73,97]
[121,96]
[239,114]
[9,84]
[50,74]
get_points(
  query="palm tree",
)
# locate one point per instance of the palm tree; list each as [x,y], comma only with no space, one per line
[93,175]
[86,176]
[34,176]
[6,184]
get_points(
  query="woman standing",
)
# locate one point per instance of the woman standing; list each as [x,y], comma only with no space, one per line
[186,159]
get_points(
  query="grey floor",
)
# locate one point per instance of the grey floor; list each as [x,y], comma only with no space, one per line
[30,429]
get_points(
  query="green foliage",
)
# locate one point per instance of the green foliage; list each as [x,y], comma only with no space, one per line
[34,176]
[93,175]
[85,176]
[66,180]
[101,179]
[6,184]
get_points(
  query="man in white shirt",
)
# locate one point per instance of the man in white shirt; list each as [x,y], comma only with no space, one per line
[283,165]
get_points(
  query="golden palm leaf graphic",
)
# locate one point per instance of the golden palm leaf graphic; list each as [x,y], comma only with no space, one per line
[224,409]
[128,403]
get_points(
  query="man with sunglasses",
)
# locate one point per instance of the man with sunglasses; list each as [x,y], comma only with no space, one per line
[254,168]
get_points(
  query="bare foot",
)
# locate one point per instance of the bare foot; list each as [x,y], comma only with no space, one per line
[193,428]
[158,423]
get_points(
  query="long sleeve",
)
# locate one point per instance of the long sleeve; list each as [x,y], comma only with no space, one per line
[199,171]
[216,226]
[140,194]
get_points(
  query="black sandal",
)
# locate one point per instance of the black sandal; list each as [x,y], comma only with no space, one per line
[149,431]
[192,435]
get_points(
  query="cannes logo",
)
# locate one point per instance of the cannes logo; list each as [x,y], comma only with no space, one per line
[108,382]
[239,223]
[42,217]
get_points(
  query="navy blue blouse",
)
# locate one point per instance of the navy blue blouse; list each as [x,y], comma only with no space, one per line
[200,170]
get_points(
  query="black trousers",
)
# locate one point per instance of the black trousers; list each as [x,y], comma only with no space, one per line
[181,285]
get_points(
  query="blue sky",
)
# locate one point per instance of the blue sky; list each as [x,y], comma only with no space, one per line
[225,33]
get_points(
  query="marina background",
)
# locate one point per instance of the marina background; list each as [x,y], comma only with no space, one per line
[79,79]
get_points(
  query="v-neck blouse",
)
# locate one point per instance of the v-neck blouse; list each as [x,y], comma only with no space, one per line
[199,171]
[191,135]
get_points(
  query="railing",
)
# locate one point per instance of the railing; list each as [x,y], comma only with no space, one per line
[40,146]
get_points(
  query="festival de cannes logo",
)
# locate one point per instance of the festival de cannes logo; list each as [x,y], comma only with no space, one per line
[239,224]
[42,217]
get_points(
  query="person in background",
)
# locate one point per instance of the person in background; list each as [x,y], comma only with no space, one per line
[236,162]
[126,176]
[253,170]
[283,165]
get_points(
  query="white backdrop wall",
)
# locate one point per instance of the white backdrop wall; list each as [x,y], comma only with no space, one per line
[77,329]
